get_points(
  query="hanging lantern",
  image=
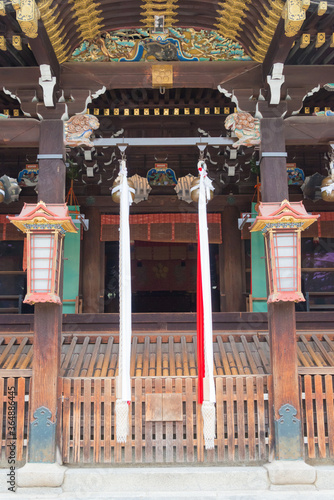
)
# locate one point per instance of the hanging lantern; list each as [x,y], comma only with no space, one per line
[281,225]
[115,190]
[45,226]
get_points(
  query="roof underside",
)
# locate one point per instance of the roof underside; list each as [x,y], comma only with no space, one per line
[252,24]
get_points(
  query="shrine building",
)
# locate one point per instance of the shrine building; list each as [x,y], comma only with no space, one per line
[167,246]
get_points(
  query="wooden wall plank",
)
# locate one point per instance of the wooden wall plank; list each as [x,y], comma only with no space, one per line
[97,420]
[20,417]
[76,420]
[66,419]
[169,427]
[309,415]
[319,404]
[251,418]
[179,426]
[138,421]
[330,413]
[87,420]
[107,416]
[220,419]
[158,428]
[2,404]
[189,420]
[241,418]
[230,418]
[261,430]
[148,427]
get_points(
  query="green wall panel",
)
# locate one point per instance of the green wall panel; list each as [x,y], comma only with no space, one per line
[259,287]
[71,268]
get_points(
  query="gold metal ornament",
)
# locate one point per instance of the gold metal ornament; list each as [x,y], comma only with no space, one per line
[194,190]
[27,16]
[327,189]
[116,193]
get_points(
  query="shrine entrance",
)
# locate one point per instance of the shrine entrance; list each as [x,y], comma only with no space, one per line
[163,276]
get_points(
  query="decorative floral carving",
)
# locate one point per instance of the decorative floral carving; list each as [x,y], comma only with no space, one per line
[246,128]
[79,128]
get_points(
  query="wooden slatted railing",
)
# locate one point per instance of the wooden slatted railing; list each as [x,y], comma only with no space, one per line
[20,417]
[318,415]
[243,422]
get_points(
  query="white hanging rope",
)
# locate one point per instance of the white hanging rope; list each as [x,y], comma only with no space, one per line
[123,390]
[208,407]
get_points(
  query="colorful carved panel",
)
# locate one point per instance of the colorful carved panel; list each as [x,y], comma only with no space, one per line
[79,128]
[245,127]
[177,44]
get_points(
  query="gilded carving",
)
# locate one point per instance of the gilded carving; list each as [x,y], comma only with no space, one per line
[2,8]
[27,16]
[321,38]
[55,28]
[89,18]
[162,76]
[305,40]
[246,128]
[17,42]
[294,14]
[79,128]
[166,8]
[176,44]
[3,43]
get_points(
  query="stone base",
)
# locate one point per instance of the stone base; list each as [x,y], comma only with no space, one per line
[291,472]
[161,479]
[40,475]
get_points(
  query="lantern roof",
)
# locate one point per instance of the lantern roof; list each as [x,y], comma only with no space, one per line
[45,216]
[284,214]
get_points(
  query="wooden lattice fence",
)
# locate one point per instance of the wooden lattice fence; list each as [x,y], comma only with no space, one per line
[242,426]
[318,415]
[14,418]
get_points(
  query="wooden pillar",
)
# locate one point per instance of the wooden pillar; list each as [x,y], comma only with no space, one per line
[44,402]
[231,262]
[93,264]
[281,316]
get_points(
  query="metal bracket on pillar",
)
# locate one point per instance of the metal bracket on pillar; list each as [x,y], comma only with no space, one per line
[42,436]
[288,434]
[50,157]
[273,154]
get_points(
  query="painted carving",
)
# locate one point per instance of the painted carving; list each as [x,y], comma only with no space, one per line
[79,128]
[246,128]
[27,16]
[328,112]
[9,189]
[294,14]
[176,44]
[161,175]
[28,177]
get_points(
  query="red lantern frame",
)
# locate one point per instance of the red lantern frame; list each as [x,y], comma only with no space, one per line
[45,226]
[281,225]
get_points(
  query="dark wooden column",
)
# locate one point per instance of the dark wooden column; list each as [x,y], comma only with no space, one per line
[45,400]
[231,262]
[93,264]
[281,316]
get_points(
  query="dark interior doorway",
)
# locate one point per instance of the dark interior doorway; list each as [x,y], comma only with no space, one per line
[163,277]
